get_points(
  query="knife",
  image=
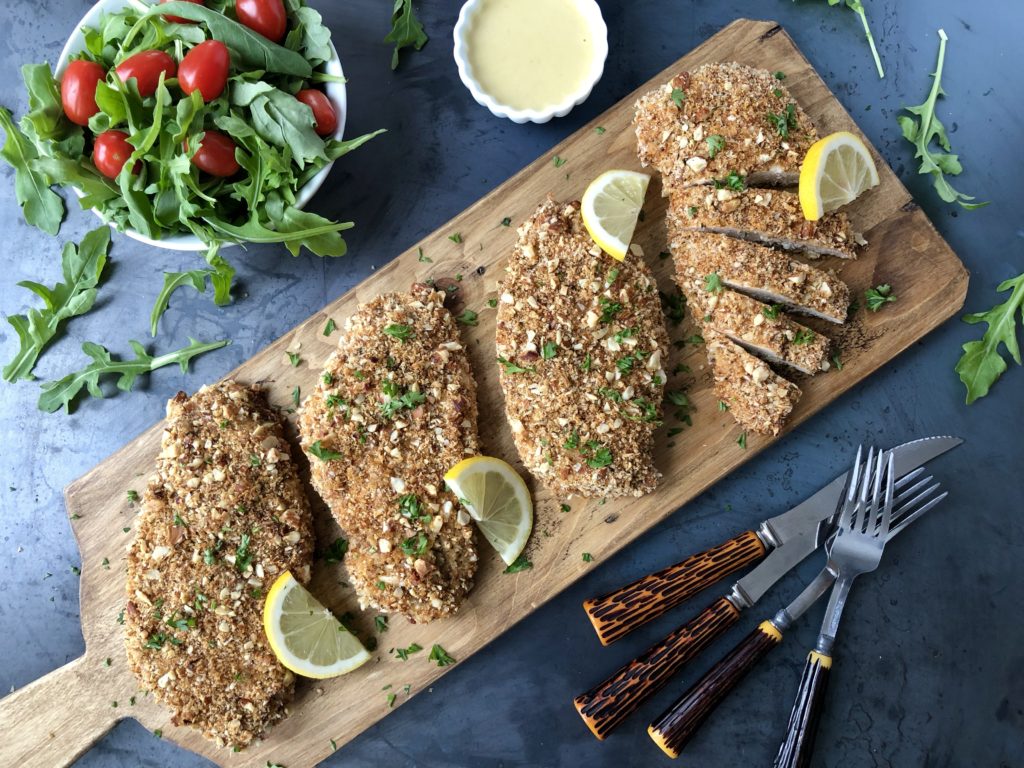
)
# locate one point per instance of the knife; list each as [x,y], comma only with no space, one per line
[610,702]
[801,530]
[674,728]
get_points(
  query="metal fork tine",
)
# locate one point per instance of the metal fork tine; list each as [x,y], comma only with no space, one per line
[902,482]
[908,492]
[853,479]
[876,490]
[911,517]
[890,490]
[857,522]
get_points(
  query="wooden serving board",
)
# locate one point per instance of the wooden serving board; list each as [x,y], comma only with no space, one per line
[55,719]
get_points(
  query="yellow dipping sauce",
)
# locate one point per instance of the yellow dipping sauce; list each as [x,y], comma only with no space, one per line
[530,54]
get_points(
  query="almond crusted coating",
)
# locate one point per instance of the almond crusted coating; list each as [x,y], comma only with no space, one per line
[758,398]
[223,517]
[394,410]
[587,337]
[762,272]
[768,216]
[741,107]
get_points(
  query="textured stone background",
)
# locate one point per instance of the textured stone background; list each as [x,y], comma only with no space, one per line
[939,678]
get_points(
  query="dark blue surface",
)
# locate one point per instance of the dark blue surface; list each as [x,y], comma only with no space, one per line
[938,677]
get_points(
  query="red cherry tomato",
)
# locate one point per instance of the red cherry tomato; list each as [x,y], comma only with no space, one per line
[146,67]
[216,155]
[264,16]
[205,68]
[78,90]
[325,119]
[178,19]
[110,152]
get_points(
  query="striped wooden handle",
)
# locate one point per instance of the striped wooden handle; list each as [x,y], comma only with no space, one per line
[609,703]
[798,747]
[680,721]
[618,613]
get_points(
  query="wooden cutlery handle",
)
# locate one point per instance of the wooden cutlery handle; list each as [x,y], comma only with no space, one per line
[680,721]
[796,750]
[609,703]
[618,613]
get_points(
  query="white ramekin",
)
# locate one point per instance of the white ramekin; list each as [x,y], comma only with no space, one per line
[335,92]
[591,14]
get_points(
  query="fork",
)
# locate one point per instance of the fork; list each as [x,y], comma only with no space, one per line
[857,548]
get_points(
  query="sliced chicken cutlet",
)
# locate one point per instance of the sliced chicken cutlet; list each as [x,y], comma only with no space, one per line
[757,397]
[581,344]
[757,327]
[394,410]
[223,517]
[767,216]
[722,119]
[763,273]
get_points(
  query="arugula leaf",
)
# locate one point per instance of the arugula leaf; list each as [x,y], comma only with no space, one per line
[280,119]
[41,206]
[406,30]
[857,7]
[197,278]
[63,392]
[921,133]
[982,363]
[81,267]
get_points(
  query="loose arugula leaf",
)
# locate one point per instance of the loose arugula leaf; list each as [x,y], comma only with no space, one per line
[81,267]
[921,133]
[41,206]
[197,278]
[63,392]
[982,363]
[857,7]
[406,30]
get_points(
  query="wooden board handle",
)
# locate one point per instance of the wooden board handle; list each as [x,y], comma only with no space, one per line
[50,723]
[796,750]
[609,703]
[618,613]
[677,724]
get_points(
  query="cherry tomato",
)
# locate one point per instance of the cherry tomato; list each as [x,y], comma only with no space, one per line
[205,68]
[146,67]
[178,19]
[216,155]
[111,151]
[78,90]
[264,16]
[325,119]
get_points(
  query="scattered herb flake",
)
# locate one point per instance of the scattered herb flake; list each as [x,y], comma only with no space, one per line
[678,97]
[456,238]
[560,161]
[324,454]
[439,655]
[878,296]
[520,564]
[587,557]
[715,144]
[330,327]
[398,331]
[468,317]
[741,441]
[294,358]
[511,367]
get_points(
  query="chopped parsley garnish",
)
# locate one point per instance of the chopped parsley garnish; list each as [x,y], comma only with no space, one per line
[405,653]
[625,333]
[209,556]
[878,296]
[785,122]
[106,564]
[327,378]
[421,257]
[585,365]
[599,129]
[612,394]
[398,400]
[648,410]
[381,623]
[691,212]
[507,221]
[440,655]
[779,75]
[549,350]
[409,506]
[695,339]
[76,570]
[415,545]
[609,309]
[713,283]
[324,454]
[803,336]
[597,455]
[294,358]
[468,317]
[565,508]
[492,303]
[520,564]
[741,441]
[336,551]
[678,97]
[330,327]
[456,238]
[254,460]
[243,557]
[156,641]
[716,144]
[401,332]
[771,312]
[777,93]
[837,361]
[612,276]
[572,442]
[133,496]
[677,398]
[733,181]
[511,367]
[625,364]
[560,161]
[391,698]
[723,406]
[296,396]
[587,557]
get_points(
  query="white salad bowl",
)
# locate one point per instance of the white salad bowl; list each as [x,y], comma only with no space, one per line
[591,14]
[189,242]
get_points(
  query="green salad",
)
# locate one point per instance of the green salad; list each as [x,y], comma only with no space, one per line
[187,118]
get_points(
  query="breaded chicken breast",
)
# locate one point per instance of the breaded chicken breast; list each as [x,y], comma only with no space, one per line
[223,517]
[394,410]
[581,345]
[722,119]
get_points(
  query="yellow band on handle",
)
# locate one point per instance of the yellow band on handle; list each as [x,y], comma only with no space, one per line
[659,738]
[771,630]
[822,659]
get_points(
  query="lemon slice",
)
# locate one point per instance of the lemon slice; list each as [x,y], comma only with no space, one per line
[611,206]
[496,497]
[836,171]
[305,636]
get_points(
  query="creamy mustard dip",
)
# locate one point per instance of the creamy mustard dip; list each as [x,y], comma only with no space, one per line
[530,54]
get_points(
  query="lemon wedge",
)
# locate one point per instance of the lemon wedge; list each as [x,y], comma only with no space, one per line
[836,171]
[305,636]
[611,207]
[496,497]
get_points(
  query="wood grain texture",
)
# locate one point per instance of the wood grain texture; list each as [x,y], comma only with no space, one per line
[798,746]
[904,250]
[618,613]
[676,725]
